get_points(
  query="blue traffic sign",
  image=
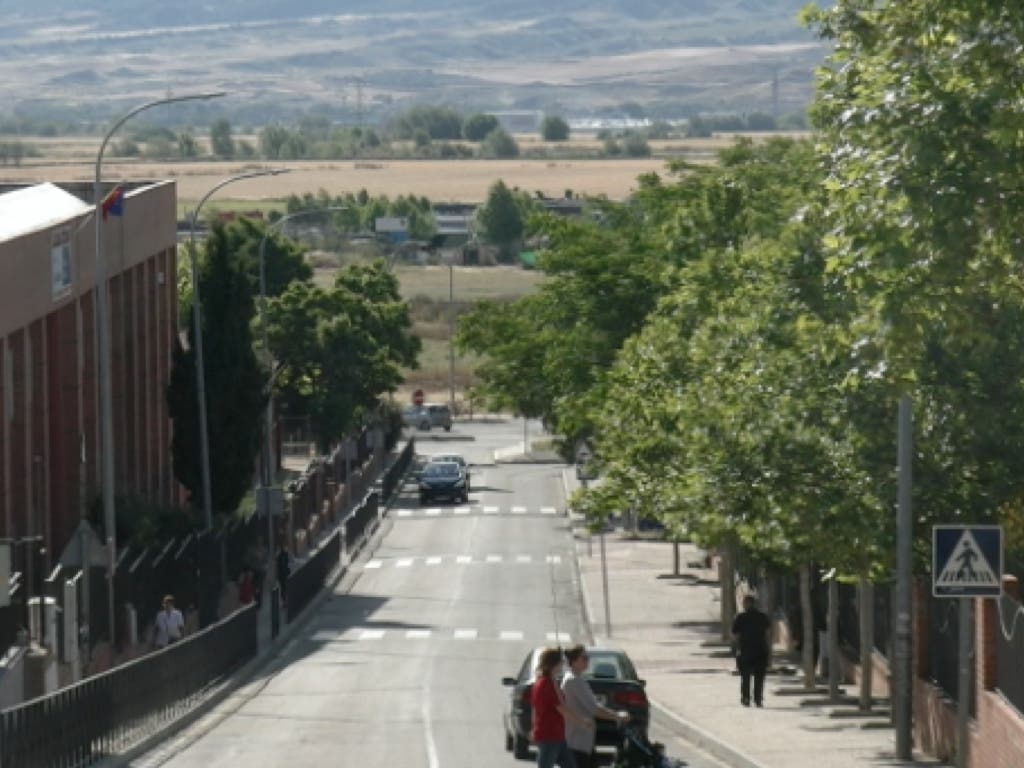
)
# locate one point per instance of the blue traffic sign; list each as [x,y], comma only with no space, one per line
[967,560]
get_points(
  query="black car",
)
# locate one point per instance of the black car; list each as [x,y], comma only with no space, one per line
[443,480]
[613,680]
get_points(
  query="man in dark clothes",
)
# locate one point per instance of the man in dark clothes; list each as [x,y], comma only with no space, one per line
[751,634]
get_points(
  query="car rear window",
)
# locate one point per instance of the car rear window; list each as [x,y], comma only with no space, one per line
[609,666]
[440,470]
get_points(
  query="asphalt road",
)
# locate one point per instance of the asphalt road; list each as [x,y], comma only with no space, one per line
[402,665]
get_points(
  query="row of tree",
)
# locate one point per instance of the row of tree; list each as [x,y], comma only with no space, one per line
[332,353]
[734,340]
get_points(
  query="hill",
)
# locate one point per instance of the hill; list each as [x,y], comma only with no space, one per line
[88,58]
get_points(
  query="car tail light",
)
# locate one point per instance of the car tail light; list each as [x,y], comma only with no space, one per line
[630,699]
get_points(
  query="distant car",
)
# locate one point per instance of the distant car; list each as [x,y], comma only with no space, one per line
[443,480]
[614,682]
[416,416]
[453,457]
[440,416]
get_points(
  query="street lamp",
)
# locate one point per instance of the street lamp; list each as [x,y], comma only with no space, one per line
[267,479]
[104,374]
[197,328]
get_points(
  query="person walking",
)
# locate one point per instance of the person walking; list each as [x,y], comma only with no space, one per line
[752,639]
[283,563]
[580,699]
[550,713]
[169,626]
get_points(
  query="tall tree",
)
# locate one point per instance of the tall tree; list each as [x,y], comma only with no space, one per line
[284,259]
[221,142]
[554,128]
[501,219]
[234,383]
[476,127]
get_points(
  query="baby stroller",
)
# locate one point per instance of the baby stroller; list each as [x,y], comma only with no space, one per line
[636,751]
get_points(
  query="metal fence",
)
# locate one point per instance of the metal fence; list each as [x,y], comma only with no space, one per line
[309,579]
[943,648]
[110,712]
[1009,639]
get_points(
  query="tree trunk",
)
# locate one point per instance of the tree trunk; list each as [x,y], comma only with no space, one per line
[807,630]
[727,580]
[867,639]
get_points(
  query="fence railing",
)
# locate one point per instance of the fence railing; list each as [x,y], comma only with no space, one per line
[944,648]
[310,577]
[1009,640]
[108,713]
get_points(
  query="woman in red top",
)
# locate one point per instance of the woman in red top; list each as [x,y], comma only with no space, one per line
[549,713]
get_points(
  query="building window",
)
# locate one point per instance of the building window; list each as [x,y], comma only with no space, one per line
[60,265]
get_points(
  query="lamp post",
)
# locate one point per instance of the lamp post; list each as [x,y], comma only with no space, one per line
[267,475]
[104,373]
[197,329]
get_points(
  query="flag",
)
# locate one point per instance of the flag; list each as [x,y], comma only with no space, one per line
[113,203]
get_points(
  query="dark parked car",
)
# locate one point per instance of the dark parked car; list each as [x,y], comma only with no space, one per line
[456,458]
[614,681]
[443,480]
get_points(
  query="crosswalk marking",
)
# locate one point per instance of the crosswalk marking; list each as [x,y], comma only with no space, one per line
[418,634]
[373,564]
[465,634]
[511,634]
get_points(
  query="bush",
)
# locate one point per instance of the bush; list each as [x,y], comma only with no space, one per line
[635,145]
[478,126]
[499,144]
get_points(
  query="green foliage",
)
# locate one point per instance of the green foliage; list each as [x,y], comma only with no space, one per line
[362,210]
[338,350]
[635,145]
[221,142]
[499,144]
[13,152]
[476,127]
[554,128]
[502,217]
[284,260]
[187,145]
[234,383]
[436,122]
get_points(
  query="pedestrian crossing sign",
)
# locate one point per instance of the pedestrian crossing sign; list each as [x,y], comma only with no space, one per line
[967,560]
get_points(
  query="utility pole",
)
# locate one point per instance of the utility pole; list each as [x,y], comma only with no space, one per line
[902,695]
[451,336]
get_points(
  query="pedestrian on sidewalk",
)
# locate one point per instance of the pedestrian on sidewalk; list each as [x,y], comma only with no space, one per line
[580,732]
[169,626]
[550,713]
[752,641]
[283,563]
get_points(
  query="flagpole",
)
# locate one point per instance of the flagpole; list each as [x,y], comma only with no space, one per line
[104,371]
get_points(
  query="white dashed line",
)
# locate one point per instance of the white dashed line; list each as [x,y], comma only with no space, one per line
[494,558]
[433,512]
[465,634]
[405,562]
[418,634]
[554,559]
[548,511]
[464,559]
[371,634]
[511,634]
[523,558]
[518,510]
[405,513]
[373,564]
[433,561]
[324,636]
[559,637]
[490,510]
[462,510]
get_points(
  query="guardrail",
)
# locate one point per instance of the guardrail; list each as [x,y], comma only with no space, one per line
[109,713]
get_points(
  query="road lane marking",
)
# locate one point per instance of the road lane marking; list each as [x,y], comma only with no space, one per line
[518,510]
[373,564]
[405,562]
[418,634]
[511,634]
[371,634]
[324,636]
[464,559]
[559,637]
[490,510]
[433,561]
[494,558]
[548,511]
[554,559]
[405,513]
[433,512]
[524,558]
[465,634]
[462,510]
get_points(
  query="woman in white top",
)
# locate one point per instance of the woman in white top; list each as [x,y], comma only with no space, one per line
[581,700]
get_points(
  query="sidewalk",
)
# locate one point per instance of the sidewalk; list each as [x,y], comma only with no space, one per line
[669,627]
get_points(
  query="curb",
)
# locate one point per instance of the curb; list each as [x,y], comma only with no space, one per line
[245,674]
[693,733]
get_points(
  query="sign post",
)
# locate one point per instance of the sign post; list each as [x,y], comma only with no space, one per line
[967,562]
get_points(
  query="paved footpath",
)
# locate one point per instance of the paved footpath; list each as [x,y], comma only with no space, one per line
[668,626]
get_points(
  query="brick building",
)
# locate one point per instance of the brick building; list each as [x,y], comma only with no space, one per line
[49,398]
